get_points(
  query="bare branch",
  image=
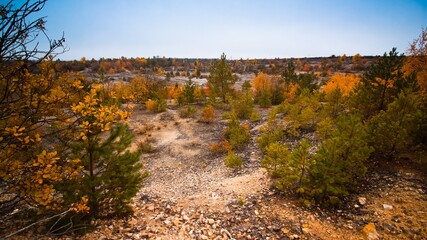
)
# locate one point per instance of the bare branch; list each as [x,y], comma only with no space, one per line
[38,222]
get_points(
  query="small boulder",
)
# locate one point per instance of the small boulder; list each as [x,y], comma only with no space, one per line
[362,201]
[387,207]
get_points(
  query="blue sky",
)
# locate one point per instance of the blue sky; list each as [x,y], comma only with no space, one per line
[240,28]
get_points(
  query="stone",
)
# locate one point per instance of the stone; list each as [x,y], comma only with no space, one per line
[370,232]
[387,207]
[362,200]
[305,230]
[389,227]
[294,236]
[211,221]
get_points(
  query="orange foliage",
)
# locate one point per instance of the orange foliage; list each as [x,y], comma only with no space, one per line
[160,72]
[220,147]
[207,90]
[139,89]
[262,82]
[417,60]
[345,83]
[292,91]
[208,114]
[306,67]
[174,91]
[198,93]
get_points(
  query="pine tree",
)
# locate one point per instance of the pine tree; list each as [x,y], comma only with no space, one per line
[276,161]
[111,173]
[289,74]
[289,170]
[237,134]
[300,163]
[221,78]
[383,83]
[188,91]
[391,129]
[339,164]
[242,105]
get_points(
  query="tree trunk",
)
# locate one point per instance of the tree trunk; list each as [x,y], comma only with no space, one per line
[94,208]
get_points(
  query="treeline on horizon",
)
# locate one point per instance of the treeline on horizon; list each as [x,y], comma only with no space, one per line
[186,66]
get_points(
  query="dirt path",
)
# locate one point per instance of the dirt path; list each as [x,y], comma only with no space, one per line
[183,170]
[190,194]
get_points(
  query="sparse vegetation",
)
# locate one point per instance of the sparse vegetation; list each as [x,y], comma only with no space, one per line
[145,146]
[75,135]
[237,134]
[187,112]
[208,114]
[220,147]
[233,161]
[156,106]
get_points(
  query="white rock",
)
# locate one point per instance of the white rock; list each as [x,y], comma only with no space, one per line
[204,237]
[211,221]
[387,207]
[362,201]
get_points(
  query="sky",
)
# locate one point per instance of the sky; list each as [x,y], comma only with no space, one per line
[239,28]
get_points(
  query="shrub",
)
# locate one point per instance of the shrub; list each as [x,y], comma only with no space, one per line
[226,116]
[242,105]
[161,105]
[233,161]
[158,105]
[270,135]
[241,201]
[265,99]
[187,112]
[275,159]
[220,147]
[145,146]
[236,133]
[392,130]
[150,105]
[208,114]
[339,164]
[255,117]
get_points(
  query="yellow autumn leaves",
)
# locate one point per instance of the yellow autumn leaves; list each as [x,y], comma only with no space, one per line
[32,162]
[345,83]
[97,117]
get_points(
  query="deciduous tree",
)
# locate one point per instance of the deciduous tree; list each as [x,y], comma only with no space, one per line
[32,106]
[417,60]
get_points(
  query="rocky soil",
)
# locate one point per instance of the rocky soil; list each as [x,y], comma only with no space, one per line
[190,194]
